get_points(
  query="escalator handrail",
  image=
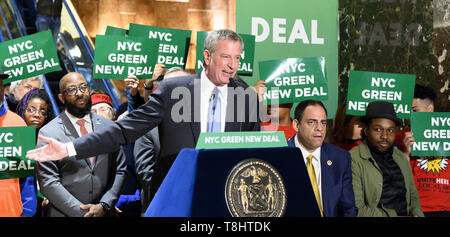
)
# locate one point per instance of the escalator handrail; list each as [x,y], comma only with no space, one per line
[19,17]
[89,49]
[5,22]
[44,80]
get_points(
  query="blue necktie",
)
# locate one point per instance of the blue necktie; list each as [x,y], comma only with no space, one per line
[215,110]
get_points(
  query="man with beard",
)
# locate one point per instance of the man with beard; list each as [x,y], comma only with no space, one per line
[382,180]
[77,188]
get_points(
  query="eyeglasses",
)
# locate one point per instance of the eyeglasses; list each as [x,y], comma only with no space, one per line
[33,110]
[73,90]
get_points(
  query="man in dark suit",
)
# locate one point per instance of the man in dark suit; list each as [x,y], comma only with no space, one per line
[181,107]
[328,166]
[77,188]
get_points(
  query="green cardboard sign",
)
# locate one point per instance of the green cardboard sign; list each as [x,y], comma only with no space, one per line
[29,56]
[247,54]
[241,140]
[111,30]
[365,87]
[117,57]
[173,43]
[293,80]
[15,142]
[431,134]
[293,29]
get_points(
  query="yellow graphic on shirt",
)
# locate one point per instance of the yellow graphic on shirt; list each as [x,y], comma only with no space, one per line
[433,164]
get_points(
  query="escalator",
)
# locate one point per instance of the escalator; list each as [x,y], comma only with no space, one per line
[74,47]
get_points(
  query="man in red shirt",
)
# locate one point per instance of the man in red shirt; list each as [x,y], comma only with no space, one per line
[431,174]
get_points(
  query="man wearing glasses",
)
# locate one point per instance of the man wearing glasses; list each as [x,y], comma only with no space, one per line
[76,188]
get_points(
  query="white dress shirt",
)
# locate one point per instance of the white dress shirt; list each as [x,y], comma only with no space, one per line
[206,88]
[73,120]
[315,162]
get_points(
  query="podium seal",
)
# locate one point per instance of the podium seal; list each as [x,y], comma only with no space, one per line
[254,188]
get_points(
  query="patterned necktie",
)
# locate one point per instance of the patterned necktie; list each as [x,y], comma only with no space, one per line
[312,177]
[215,110]
[84,131]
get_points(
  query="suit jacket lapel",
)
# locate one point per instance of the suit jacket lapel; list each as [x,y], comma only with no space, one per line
[71,132]
[327,175]
[96,124]
[231,123]
[68,127]
[194,88]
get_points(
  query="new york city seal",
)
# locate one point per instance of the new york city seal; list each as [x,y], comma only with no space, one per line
[254,188]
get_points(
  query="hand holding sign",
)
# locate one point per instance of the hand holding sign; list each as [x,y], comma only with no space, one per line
[408,141]
[54,150]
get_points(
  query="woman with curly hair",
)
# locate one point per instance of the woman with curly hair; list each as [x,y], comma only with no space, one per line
[36,109]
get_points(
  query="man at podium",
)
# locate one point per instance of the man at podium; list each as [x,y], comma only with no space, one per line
[182,107]
[328,166]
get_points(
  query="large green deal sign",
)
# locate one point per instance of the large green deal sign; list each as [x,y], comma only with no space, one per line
[14,144]
[117,57]
[173,43]
[293,29]
[29,56]
[247,54]
[294,79]
[365,87]
[431,134]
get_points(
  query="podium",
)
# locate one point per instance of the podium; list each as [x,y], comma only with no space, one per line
[236,182]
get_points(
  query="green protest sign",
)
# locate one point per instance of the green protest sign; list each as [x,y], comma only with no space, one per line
[365,87]
[247,54]
[293,80]
[293,29]
[29,56]
[117,57]
[173,43]
[241,140]
[431,134]
[111,30]
[14,144]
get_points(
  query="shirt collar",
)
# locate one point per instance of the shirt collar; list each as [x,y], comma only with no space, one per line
[207,86]
[306,153]
[74,119]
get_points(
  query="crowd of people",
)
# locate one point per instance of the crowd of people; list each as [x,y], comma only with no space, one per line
[94,161]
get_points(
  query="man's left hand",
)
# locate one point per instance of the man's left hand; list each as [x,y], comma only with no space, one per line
[94,210]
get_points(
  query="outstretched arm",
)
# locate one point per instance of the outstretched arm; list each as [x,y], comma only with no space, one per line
[54,150]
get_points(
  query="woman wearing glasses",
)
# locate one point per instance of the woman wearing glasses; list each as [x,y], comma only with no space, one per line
[36,109]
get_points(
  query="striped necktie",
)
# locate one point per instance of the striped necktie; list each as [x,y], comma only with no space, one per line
[215,112]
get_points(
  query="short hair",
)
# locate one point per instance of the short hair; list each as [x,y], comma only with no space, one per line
[298,113]
[213,37]
[424,92]
[15,84]
[175,69]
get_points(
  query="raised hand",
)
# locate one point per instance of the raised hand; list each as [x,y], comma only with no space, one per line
[54,150]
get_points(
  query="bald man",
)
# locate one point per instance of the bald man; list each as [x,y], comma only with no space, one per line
[77,188]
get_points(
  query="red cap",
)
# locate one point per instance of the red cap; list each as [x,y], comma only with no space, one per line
[101,98]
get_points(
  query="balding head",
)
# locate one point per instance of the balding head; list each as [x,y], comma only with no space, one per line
[69,77]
